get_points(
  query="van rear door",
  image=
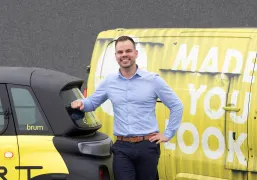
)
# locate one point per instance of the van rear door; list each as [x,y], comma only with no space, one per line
[237,106]
[206,70]
[251,76]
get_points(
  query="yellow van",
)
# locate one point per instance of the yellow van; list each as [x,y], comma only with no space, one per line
[213,72]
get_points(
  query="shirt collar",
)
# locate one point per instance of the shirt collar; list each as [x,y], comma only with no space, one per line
[139,72]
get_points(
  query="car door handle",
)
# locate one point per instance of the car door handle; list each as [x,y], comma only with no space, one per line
[6,113]
[231,108]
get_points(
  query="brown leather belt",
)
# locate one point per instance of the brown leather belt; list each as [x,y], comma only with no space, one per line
[134,139]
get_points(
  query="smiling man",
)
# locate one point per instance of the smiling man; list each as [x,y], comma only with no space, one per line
[133,93]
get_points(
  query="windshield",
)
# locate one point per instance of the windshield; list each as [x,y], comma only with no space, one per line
[82,119]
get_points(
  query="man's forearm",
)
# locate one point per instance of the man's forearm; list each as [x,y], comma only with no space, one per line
[88,106]
[174,121]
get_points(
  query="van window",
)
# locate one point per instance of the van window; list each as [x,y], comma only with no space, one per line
[82,119]
[27,113]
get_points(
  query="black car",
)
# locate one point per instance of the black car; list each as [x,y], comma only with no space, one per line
[41,136]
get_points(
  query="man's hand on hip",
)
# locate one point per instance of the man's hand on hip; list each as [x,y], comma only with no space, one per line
[159,138]
[78,104]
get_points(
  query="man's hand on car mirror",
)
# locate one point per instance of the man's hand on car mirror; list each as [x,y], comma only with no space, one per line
[78,104]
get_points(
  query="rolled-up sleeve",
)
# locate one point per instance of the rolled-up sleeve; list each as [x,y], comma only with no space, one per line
[172,101]
[97,98]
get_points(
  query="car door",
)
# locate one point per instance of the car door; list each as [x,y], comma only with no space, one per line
[39,159]
[9,154]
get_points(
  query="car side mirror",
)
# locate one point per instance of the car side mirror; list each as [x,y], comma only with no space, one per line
[88,69]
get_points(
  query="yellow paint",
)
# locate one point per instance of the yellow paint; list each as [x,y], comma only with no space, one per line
[39,151]
[212,71]
[186,176]
[9,144]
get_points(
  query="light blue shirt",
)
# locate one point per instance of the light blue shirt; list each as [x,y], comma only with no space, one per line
[134,102]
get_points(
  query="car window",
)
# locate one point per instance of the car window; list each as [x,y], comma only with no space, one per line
[82,119]
[27,113]
[2,122]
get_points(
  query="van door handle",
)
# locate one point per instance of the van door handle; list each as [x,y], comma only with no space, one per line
[231,108]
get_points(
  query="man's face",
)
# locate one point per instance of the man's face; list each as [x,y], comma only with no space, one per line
[126,54]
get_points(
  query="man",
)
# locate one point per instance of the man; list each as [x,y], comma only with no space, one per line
[133,93]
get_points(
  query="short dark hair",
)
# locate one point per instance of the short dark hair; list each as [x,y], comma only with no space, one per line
[125,38]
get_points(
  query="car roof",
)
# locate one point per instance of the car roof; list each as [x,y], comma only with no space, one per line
[36,77]
[16,75]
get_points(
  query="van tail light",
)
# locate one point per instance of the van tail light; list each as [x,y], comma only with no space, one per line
[103,173]
[85,92]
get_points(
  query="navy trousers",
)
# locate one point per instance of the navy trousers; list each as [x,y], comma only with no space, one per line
[135,161]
